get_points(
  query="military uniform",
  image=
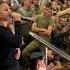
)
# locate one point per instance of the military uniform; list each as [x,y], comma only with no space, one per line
[67,34]
[35,9]
[56,38]
[42,22]
[62,34]
[26,12]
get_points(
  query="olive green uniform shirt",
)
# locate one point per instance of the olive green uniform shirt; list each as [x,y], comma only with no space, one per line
[43,22]
[35,9]
[26,12]
[26,27]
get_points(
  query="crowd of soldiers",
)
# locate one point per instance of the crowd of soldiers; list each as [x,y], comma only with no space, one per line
[50,19]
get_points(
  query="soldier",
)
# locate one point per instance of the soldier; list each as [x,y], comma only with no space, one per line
[26,11]
[43,26]
[35,7]
[55,7]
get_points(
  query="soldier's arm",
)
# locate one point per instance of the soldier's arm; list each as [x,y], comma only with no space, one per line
[47,31]
[36,29]
[66,11]
[50,28]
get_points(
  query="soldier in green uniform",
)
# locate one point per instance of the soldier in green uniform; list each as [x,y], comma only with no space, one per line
[43,26]
[26,11]
[66,13]
[57,31]
[35,7]
[61,32]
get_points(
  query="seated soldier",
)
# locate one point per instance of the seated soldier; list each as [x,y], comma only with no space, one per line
[43,26]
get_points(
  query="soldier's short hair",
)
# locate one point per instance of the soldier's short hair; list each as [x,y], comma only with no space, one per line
[48,4]
[22,2]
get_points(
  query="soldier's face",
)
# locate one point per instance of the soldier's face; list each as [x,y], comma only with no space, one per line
[54,5]
[28,3]
[62,20]
[46,11]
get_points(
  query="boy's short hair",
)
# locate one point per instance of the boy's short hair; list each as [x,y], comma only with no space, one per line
[47,4]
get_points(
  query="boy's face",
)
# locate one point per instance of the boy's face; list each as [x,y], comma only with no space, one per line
[62,20]
[54,5]
[46,11]
[28,3]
